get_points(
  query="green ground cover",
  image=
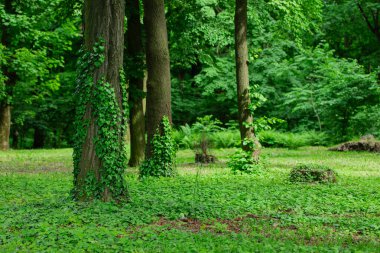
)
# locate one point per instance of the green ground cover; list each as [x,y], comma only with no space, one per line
[203,209]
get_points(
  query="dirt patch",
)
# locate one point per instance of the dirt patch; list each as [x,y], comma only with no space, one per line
[28,168]
[217,226]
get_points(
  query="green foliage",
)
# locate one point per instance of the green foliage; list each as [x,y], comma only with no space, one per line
[3,93]
[298,18]
[366,121]
[346,30]
[225,138]
[313,90]
[37,51]
[206,125]
[207,130]
[331,89]
[312,173]
[109,119]
[257,101]
[162,161]
[292,140]
[244,162]
[185,138]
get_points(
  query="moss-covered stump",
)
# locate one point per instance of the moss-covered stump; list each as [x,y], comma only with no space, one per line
[312,173]
[204,158]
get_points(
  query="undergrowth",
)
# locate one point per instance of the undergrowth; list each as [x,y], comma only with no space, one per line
[204,209]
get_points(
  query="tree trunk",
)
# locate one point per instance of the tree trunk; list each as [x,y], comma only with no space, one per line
[136,83]
[242,77]
[5,125]
[99,152]
[38,137]
[158,102]
[15,139]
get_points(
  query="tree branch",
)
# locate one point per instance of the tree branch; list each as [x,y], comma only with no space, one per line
[366,18]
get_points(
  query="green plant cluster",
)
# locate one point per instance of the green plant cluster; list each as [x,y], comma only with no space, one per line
[312,173]
[277,139]
[243,162]
[162,161]
[210,129]
[187,137]
[98,98]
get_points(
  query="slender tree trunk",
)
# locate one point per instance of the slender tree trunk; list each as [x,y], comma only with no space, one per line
[242,77]
[373,26]
[97,163]
[15,139]
[136,83]
[5,125]
[38,137]
[157,56]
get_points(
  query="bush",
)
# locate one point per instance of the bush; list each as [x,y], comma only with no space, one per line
[188,137]
[184,137]
[308,173]
[161,164]
[243,162]
[225,139]
[292,140]
[206,129]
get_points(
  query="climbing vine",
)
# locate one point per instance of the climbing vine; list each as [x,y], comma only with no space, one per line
[162,162]
[97,97]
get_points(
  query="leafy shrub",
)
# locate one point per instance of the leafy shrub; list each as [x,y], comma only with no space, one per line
[366,121]
[308,173]
[225,139]
[184,137]
[161,164]
[207,131]
[243,162]
[292,140]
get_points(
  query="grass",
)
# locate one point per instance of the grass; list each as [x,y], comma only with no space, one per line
[204,209]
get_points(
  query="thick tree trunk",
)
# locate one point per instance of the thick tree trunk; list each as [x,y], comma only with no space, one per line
[242,76]
[136,84]
[158,102]
[104,23]
[5,125]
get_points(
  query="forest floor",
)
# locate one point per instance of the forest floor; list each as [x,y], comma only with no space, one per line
[203,209]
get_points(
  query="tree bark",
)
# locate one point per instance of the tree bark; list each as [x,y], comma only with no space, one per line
[5,125]
[104,20]
[158,63]
[242,77]
[136,83]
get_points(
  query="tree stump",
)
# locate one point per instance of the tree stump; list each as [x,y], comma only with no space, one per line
[312,173]
[204,158]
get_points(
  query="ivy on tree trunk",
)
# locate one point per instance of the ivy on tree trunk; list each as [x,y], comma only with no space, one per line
[99,153]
